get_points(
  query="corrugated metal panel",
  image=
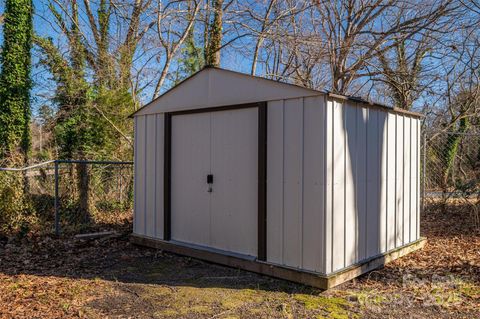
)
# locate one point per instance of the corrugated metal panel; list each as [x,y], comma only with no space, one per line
[373,172]
[190,166]
[361,181]
[329,183]
[223,144]
[413,180]
[135,173]
[293,179]
[400,142]
[338,172]
[406,178]
[383,169]
[216,87]
[351,220]
[150,198]
[371,183]
[140,171]
[275,185]
[418,161]
[295,183]
[234,165]
[159,145]
[391,181]
[148,166]
[313,184]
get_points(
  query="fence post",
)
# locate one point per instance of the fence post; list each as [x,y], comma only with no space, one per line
[57,215]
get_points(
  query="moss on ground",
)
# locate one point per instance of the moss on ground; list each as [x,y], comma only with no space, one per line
[331,307]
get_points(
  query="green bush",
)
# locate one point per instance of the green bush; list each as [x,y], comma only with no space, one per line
[16,211]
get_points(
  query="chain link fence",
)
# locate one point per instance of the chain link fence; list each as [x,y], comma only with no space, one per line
[69,197]
[73,197]
[452,171]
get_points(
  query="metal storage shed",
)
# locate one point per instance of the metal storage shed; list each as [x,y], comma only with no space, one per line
[275,178]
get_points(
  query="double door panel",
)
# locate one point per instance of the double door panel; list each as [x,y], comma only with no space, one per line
[222,214]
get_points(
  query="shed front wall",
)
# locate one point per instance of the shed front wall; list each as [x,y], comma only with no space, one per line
[148,171]
[296,183]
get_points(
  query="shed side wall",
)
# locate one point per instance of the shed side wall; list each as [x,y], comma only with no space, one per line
[372,167]
[148,170]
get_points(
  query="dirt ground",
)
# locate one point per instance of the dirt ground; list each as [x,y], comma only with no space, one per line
[41,277]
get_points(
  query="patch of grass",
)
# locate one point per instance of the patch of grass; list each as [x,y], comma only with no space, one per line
[332,307]
[466,289]
[369,297]
[470,290]
[241,297]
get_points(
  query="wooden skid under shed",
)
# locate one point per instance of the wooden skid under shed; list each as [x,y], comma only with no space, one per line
[317,280]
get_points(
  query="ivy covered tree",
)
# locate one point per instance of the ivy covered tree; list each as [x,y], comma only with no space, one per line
[215,35]
[15,82]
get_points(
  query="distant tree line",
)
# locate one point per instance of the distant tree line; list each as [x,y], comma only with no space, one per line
[98,61]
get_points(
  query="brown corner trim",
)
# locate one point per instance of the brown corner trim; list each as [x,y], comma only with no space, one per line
[167,165]
[262,182]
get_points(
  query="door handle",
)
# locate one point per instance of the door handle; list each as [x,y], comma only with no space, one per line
[210,179]
[210,182]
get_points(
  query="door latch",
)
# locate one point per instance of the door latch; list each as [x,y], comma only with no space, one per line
[210,182]
[210,179]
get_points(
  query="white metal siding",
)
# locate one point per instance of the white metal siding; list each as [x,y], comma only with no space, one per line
[351,220]
[158,172]
[372,188]
[275,185]
[338,191]
[148,169]
[313,184]
[399,199]
[216,87]
[361,181]
[383,179]
[150,198]
[224,144]
[372,175]
[190,204]
[295,183]
[391,181]
[140,172]
[342,181]
[234,165]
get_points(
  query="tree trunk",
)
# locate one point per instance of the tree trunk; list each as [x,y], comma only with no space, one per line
[83,191]
[215,35]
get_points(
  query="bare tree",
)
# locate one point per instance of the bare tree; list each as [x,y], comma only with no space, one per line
[356,31]
[175,22]
[402,70]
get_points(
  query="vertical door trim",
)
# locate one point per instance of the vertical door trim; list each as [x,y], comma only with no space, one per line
[167,172]
[262,171]
[262,182]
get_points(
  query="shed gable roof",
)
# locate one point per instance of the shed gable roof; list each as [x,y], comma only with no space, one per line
[213,87]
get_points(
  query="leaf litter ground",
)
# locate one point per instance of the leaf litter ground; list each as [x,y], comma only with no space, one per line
[43,277]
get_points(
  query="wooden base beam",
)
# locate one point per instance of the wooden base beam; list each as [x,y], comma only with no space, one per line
[317,280]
